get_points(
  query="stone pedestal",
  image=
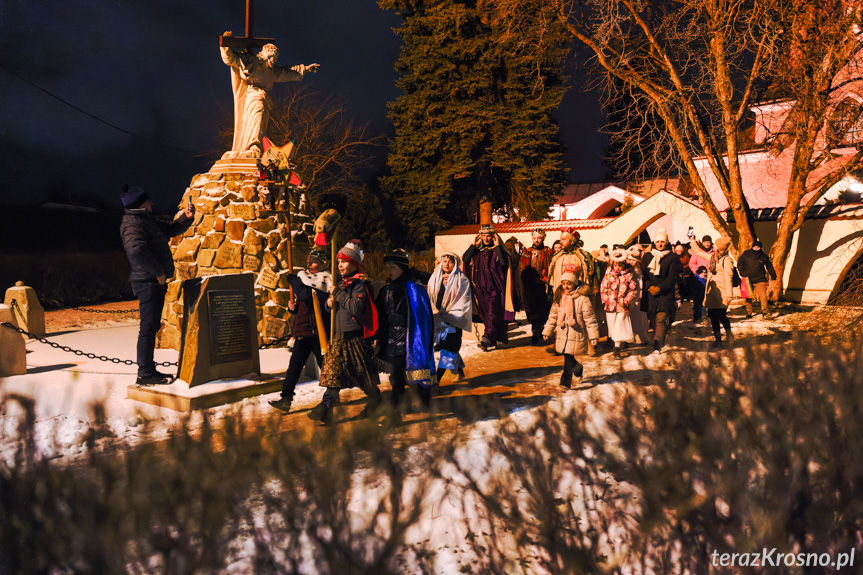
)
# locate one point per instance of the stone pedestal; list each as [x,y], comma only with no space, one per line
[219,337]
[13,351]
[232,233]
[32,315]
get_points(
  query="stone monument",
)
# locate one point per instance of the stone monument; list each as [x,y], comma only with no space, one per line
[238,227]
[219,335]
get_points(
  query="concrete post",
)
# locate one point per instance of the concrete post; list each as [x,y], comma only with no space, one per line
[13,350]
[31,316]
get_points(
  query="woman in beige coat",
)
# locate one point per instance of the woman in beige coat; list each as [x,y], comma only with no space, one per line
[717,295]
[573,323]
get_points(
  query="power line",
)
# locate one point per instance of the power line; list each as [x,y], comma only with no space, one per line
[86,113]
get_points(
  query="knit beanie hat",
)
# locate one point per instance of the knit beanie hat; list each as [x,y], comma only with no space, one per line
[319,256]
[701,270]
[706,239]
[568,276]
[133,197]
[757,244]
[352,253]
[723,243]
[661,234]
[399,257]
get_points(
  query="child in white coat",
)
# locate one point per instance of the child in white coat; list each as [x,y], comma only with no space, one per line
[573,323]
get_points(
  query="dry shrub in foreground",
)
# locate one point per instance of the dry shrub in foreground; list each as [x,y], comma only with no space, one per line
[736,453]
[256,499]
[755,451]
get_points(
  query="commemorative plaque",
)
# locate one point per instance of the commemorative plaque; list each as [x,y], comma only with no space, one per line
[229,325]
[220,335]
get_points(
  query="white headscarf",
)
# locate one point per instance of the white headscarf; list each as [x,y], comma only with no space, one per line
[456,305]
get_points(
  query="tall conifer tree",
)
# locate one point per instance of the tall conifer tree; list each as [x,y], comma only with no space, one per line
[476,120]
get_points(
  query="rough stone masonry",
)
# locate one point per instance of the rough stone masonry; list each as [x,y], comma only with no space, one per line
[233,233]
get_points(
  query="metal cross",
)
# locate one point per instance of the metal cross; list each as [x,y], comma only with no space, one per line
[249,42]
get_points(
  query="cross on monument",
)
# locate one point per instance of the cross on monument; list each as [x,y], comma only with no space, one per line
[249,42]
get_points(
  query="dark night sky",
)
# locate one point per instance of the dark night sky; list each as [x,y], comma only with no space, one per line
[153,68]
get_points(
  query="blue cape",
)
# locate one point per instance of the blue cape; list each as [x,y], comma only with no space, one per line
[420,366]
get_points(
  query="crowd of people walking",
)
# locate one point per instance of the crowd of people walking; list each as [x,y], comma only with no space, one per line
[572,298]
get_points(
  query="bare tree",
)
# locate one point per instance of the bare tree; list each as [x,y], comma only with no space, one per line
[698,66]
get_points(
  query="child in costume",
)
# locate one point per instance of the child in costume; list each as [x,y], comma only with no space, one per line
[449,292]
[637,317]
[405,335]
[350,361]
[573,323]
[311,287]
[617,290]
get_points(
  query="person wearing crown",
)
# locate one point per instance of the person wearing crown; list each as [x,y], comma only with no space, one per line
[486,264]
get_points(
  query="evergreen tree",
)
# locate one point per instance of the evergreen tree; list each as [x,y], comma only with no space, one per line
[476,118]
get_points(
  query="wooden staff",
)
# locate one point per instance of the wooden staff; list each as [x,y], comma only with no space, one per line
[290,239]
[333,272]
[319,322]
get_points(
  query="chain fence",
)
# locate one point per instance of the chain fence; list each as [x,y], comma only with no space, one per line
[78,352]
[105,358]
[89,310]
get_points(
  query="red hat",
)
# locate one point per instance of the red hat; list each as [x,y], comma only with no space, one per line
[571,232]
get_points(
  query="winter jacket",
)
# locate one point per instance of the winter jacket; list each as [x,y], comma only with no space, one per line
[698,257]
[352,301]
[392,305]
[617,290]
[669,272]
[755,265]
[145,239]
[719,283]
[572,322]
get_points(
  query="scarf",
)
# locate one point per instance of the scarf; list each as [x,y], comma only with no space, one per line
[715,259]
[456,306]
[657,258]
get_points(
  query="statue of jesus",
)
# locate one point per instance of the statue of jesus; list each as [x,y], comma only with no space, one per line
[252,79]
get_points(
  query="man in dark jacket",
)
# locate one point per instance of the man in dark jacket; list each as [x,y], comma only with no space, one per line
[145,238]
[661,268]
[314,281]
[754,265]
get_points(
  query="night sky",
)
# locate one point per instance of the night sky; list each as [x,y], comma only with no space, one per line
[152,68]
